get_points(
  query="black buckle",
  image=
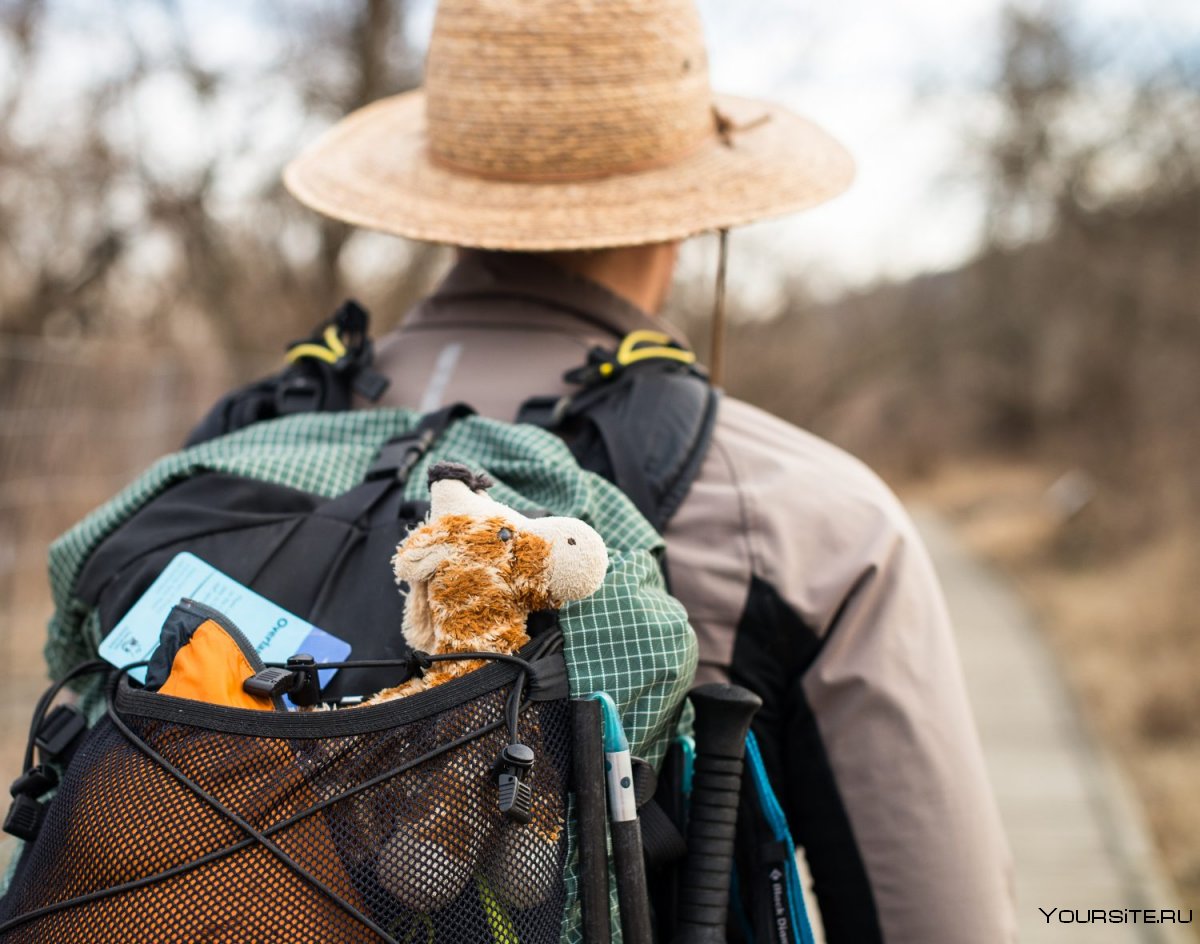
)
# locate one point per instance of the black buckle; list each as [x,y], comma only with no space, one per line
[59,733]
[516,796]
[398,457]
[35,783]
[299,681]
[24,819]
[370,384]
[298,393]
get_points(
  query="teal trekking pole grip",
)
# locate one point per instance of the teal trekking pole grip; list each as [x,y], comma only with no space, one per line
[628,857]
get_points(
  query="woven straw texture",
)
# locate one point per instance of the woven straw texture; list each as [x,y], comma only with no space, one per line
[559,124]
[631,638]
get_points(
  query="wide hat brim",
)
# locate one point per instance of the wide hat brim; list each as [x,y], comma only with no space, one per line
[373,169]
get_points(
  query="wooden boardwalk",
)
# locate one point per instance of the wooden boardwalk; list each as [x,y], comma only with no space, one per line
[1077,833]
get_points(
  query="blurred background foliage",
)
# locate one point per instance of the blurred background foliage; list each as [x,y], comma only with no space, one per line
[1043,394]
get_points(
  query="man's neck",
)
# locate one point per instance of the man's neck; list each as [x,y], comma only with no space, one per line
[639,274]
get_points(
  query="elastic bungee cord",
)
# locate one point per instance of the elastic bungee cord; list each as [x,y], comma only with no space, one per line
[514,705]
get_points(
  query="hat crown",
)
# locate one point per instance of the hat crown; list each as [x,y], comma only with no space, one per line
[544,90]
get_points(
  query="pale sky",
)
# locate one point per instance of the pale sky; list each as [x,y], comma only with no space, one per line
[898,81]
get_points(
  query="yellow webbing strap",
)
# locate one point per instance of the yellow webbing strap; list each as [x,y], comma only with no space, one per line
[499,923]
[644,345]
[426,924]
[333,351]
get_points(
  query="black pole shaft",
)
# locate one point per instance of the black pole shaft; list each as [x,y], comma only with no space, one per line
[723,716]
[588,769]
[632,892]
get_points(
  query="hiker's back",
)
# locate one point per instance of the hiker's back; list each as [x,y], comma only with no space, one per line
[804,581]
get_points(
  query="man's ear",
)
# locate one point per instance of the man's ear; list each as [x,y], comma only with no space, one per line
[420,554]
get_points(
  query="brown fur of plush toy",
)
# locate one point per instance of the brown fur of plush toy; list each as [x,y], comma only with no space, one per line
[476,570]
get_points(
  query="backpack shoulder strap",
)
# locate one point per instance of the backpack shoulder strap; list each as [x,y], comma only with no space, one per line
[643,418]
[324,371]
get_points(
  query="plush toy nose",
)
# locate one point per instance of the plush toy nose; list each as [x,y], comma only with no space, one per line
[578,558]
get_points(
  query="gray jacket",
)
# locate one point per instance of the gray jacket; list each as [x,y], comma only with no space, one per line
[805,581]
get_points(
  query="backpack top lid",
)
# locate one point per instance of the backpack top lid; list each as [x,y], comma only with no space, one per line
[631,638]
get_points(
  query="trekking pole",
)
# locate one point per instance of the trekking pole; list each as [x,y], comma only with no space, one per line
[589,792]
[723,716]
[633,894]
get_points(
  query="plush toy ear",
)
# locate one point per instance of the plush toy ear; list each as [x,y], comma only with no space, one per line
[420,554]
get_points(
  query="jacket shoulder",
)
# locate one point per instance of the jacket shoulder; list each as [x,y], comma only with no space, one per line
[817,519]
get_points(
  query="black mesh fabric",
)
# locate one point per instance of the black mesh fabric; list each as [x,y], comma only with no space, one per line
[360,852]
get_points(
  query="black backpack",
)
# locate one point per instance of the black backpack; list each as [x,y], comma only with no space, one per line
[642,418]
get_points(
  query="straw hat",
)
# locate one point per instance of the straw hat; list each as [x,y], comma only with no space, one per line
[566,124]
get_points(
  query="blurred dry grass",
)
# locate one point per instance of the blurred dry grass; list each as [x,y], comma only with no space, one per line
[1122,628]
[78,421]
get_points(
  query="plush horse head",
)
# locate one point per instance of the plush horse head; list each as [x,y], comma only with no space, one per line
[476,569]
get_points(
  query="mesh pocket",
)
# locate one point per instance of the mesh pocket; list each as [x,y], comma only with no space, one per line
[326,827]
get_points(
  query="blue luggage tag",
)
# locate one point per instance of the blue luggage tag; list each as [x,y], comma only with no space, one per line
[275,633]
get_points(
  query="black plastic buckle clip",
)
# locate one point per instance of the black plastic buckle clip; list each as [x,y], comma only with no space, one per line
[35,783]
[59,734]
[400,456]
[270,683]
[298,393]
[24,819]
[370,384]
[299,681]
[516,796]
[307,690]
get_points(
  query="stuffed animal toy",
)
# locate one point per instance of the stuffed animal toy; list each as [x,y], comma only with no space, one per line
[475,571]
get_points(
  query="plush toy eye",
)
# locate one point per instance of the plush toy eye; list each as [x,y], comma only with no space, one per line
[504,534]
